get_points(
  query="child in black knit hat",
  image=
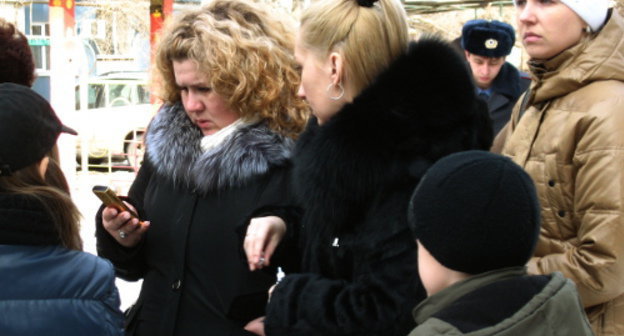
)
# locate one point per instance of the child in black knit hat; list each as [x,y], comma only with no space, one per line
[475,217]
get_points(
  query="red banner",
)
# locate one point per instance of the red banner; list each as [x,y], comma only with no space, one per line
[69,10]
[159,10]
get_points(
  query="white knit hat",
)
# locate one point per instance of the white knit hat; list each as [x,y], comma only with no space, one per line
[593,12]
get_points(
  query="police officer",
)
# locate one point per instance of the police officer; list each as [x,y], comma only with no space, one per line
[486,45]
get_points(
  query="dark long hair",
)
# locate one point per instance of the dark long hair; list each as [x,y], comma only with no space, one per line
[53,192]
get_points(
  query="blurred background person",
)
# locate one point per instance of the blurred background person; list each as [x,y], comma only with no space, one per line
[570,140]
[216,150]
[472,259]
[486,46]
[382,114]
[48,285]
[18,65]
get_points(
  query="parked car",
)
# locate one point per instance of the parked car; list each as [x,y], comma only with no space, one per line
[113,111]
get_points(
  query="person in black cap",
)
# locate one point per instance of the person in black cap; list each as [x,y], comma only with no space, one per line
[18,66]
[48,285]
[475,217]
[486,46]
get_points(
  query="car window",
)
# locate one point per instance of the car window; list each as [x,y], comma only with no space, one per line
[120,95]
[143,92]
[95,96]
[77,97]
[103,93]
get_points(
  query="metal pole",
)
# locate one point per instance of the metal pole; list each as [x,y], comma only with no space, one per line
[63,44]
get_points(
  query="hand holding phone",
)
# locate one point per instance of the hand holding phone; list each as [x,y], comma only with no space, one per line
[126,231]
[109,198]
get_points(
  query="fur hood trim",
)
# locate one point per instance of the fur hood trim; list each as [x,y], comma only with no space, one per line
[421,108]
[174,147]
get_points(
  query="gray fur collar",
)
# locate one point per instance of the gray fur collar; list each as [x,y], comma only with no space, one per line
[173,147]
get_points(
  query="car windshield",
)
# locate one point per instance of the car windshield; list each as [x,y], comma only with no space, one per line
[108,91]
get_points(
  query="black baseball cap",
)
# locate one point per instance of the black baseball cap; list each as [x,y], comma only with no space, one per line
[29,127]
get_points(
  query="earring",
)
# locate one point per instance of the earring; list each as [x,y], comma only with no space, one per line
[588,30]
[340,87]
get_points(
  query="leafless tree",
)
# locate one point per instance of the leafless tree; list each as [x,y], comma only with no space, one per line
[124,22]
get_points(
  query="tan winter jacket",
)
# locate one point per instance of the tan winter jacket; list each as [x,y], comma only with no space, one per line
[571,141]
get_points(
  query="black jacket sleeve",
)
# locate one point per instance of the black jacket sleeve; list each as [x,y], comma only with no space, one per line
[278,200]
[377,300]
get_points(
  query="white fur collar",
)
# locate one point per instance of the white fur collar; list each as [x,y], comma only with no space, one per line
[209,142]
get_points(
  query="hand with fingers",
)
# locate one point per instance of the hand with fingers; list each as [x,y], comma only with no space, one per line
[262,237]
[126,229]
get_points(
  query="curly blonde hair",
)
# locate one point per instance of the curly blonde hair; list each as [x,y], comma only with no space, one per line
[248,55]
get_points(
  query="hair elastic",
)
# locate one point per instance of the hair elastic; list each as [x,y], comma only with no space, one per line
[366,3]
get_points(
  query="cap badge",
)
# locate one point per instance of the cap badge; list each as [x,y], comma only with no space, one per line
[491,44]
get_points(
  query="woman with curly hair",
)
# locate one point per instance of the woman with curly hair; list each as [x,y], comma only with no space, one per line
[217,149]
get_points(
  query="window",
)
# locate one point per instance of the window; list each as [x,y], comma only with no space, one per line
[112,90]
[120,95]
[40,29]
[77,95]
[39,41]
[97,96]
[41,54]
[143,92]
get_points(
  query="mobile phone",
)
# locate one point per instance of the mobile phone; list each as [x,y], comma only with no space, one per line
[110,198]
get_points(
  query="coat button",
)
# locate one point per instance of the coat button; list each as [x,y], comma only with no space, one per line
[551,183]
[561,213]
[176,285]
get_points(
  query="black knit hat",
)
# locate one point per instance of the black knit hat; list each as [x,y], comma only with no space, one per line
[475,211]
[488,38]
[28,127]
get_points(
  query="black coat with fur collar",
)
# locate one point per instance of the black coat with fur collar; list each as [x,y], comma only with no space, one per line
[196,279]
[354,176]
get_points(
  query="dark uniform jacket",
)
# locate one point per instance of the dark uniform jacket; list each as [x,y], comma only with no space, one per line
[46,289]
[504,302]
[507,87]
[196,279]
[353,177]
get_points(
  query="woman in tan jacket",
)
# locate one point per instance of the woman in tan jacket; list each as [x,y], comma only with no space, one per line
[570,139]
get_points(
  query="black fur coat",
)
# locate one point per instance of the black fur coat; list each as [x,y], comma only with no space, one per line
[354,176]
